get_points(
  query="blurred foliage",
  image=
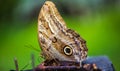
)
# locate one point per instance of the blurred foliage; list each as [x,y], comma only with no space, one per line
[97,21]
[6,8]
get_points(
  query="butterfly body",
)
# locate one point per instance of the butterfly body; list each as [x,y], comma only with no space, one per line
[56,40]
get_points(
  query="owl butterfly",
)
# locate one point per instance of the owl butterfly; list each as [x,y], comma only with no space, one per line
[55,39]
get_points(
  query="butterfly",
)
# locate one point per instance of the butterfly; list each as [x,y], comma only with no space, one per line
[56,40]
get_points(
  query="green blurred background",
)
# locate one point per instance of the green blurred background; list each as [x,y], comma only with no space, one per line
[97,21]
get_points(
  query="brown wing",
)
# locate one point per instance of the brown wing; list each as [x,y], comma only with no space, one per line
[49,24]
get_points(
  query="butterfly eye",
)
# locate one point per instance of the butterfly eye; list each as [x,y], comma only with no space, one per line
[68,50]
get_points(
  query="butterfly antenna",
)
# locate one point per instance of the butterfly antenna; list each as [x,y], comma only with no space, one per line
[16,64]
[26,65]
[31,47]
[32,62]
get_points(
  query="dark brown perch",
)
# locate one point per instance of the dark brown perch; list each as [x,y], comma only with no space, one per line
[102,62]
[64,66]
[58,68]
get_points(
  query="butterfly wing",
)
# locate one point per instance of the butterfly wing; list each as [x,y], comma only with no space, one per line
[56,40]
[49,24]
